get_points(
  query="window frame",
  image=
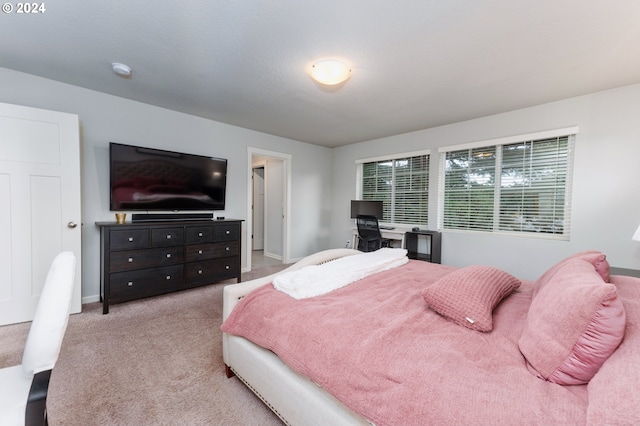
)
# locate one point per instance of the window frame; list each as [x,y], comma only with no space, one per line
[569,132]
[393,157]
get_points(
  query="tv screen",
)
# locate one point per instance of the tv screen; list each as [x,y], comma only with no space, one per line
[148,179]
[366,208]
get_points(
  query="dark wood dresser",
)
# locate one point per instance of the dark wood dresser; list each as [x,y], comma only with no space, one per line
[143,259]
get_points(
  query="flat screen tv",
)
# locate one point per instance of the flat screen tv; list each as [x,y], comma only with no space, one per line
[367,208]
[148,179]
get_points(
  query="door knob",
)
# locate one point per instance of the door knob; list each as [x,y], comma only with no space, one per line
[71,225]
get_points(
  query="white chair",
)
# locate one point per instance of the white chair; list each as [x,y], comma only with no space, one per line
[23,388]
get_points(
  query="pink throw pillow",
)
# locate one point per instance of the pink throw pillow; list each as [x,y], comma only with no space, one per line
[596,258]
[468,295]
[574,324]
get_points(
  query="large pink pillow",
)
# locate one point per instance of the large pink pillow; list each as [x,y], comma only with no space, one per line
[468,295]
[574,324]
[596,258]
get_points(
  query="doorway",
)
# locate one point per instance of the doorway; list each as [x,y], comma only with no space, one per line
[269,189]
[258,207]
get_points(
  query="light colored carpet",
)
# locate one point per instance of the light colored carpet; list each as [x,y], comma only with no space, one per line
[156,361]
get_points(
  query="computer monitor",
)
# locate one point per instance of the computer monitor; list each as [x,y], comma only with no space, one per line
[366,207]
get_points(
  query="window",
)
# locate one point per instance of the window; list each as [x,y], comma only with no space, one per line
[401,182]
[520,185]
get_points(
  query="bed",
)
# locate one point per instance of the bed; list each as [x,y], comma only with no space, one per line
[422,343]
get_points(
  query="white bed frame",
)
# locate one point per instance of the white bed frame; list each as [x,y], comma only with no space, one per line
[293,397]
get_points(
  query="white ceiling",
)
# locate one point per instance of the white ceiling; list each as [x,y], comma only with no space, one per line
[416,63]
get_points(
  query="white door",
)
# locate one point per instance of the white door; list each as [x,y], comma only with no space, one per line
[258,208]
[39,204]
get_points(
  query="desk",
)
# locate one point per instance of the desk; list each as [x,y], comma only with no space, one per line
[396,235]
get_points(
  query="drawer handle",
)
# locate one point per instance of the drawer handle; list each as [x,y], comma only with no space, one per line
[168,236]
[130,239]
[228,232]
[226,267]
[199,251]
[168,255]
[130,259]
[168,277]
[130,283]
[227,248]
[199,271]
[199,234]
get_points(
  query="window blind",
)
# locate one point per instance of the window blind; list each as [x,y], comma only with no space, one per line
[520,187]
[401,183]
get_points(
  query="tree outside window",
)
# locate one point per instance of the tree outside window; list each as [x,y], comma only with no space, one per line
[519,187]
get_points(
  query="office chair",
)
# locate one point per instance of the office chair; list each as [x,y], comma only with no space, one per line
[23,388]
[369,236]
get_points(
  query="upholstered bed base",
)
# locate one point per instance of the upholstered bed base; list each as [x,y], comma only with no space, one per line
[293,397]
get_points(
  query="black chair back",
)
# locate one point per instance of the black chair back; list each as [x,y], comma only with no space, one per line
[369,236]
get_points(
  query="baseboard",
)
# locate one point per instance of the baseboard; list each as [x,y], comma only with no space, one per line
[273,256]
[90,299]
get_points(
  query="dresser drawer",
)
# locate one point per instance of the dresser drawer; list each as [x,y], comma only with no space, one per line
[145,282]
[161,237]
[212,250]
[210,271]
[128,239]
[226,249]
[196,252]
[139,259]
[199,234]
[226,232]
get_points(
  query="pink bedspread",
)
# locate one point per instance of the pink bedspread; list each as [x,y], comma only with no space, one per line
[378,348]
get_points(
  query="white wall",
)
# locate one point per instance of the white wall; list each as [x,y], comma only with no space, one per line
[606,196]
[105,118]
[274,207]
[606,190]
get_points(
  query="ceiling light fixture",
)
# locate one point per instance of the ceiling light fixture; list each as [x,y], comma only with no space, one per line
[121,69]
[330,72]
